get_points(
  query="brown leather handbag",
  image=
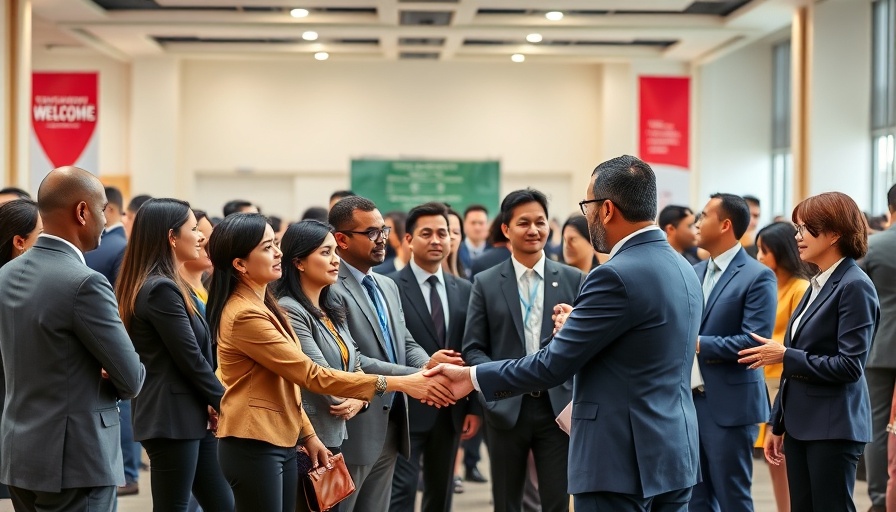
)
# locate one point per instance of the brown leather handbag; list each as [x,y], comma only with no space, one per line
[325,486]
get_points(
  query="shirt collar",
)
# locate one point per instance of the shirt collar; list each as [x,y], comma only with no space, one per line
[520,269]
[422,275]
[620,243]
[114,226]
[66,242]
[726,257]
[469,244]
[819,281]
[357,274]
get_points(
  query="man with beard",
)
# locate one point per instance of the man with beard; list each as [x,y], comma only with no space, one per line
[629,342]
[510,316]
[376,322]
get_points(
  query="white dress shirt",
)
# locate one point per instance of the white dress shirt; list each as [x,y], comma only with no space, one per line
[421,276]
[66,242]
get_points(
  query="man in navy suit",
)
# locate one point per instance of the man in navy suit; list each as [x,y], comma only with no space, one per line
[740,297]
[629,342]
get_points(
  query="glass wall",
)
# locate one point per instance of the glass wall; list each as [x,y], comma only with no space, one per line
[883,102]
[782,157]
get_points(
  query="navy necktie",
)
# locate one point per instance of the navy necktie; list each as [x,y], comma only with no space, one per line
[436,310]
[383,318]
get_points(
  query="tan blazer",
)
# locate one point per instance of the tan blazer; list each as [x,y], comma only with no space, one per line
[262,367]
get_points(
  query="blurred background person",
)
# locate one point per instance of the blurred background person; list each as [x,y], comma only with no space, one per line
[10,193]
[239,206]
[498,252]
[175,414]
[476,231]
[680,225]
[336,196]
[279,227]
[196,272]
[452,263]
[577,249]
[398,254]
[318,319]
[777,250]
[826,422]
[130,214]
[748,241]
[315,213]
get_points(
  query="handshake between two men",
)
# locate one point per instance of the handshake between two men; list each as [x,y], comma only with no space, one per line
[445,379]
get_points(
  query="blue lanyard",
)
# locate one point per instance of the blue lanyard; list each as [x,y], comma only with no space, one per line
[533,294]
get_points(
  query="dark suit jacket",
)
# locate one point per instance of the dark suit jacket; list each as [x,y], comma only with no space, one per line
[59,326]
[106,259]
[489,259]
[419,322]
[880,265]
[742,301]
[630,343]
[494,327]
[179,358]
[823,390]
[367,432]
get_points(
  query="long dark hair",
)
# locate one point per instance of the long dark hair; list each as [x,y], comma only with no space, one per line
[300,240]
[234,237]
[778,240]
[149,253]
[17,218]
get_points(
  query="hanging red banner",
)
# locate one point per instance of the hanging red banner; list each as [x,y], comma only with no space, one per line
[64,114]
[664,120]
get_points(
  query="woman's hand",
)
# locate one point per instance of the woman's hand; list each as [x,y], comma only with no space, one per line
[767,353]
[428,390]
[348,409]
[774,448]
[212,419]
[317,452]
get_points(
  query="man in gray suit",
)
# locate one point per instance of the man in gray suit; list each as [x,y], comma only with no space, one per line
[67,359]
[880,371]
[376,322]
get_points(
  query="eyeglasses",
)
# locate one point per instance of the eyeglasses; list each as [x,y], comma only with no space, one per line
[583,204]
[800,228]
[372,234]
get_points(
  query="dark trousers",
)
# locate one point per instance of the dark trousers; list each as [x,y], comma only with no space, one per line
[438,449]
[183,466]
[535,430]
[822,474]
[264,477]
[81,499]
[130,449]
[472,447]
[673,501]
[881,382]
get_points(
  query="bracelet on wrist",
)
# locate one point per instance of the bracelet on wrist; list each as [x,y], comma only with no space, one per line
[380,385]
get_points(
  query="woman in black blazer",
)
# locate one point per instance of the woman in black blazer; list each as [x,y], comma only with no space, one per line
[821,418]
[175,414]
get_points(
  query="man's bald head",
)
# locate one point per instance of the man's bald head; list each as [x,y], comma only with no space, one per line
[71,203]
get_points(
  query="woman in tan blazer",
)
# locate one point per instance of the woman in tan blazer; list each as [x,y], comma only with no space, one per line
[262,367]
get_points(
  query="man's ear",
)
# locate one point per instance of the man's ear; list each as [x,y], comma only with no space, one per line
[408,237]
[341,240]
[81,212]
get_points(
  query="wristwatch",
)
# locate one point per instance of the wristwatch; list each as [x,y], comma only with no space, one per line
[380,385]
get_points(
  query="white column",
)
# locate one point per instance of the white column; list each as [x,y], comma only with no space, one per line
[155,128]
[15,91]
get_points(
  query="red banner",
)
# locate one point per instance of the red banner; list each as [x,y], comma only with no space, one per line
[664,120]
[64,114]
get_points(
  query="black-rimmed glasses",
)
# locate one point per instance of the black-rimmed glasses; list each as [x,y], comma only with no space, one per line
[583,204]
[372,234]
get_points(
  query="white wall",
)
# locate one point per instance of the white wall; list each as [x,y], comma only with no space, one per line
[285,117]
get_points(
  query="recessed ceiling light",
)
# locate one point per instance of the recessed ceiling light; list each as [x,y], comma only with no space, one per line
[518,57]
[534,38]
[321,55]
[554,15]
[298,13]
[310,36]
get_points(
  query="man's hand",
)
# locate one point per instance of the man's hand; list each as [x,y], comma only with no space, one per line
[446,356]
[561,313]
[471,426]
[212,419]
[429,391]
[456,378]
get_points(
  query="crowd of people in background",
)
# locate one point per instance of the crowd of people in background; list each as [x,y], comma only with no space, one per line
[218,345]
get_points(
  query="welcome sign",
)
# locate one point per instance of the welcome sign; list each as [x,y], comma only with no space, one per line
[64,116]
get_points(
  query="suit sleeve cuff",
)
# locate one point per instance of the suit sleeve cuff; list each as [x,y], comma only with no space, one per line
[474,379]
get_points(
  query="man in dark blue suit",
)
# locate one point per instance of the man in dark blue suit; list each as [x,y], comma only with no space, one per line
[629,342]
[740,297]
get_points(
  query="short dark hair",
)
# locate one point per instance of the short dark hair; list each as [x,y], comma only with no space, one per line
[341,194]
[137,202]
[399,219]
[735,209]
[835,212]
[113,197]
[231,207]
[315,213]
[751,200]
[17,217]
[342,214]
[672,214]
[16,191]
[522,196]
[778,239]
[201,214]
[424,210]
[475,208]
[630,184]
[891,198]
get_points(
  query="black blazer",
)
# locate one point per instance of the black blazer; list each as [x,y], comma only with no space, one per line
[177,351]
[419,323]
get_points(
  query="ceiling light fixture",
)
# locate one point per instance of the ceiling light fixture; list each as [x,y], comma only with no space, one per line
[518,57]
[321,55]
[534,38]
[554,15]
[310,36]
[298,13]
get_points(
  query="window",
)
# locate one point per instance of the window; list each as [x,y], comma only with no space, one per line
[883,102]
[782,157]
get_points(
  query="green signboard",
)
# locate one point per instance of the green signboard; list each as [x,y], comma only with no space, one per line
[403,184]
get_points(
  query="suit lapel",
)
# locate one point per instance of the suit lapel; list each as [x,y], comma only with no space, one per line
[512,293]
[796,313]
[418,302]
[359,296]
[823,295]
[551,292]
[724,279]
[456,308]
